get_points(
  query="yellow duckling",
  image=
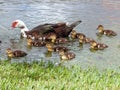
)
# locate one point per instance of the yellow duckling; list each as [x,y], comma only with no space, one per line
[56,40]
[97,46]
[75,35]
[105,32]
[16,53]
[83,39]
[66,55]
[52,37]
[50,47]
[36,43]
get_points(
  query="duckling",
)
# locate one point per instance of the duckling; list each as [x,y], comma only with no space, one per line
[56,40]
[97,46]
[84,39]
[52,37]
[66,55]
[36,43]
[50,47]
[75,35]
[105,32]
[17,53]
[61,41]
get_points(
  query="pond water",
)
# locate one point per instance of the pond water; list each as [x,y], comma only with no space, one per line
[91,12]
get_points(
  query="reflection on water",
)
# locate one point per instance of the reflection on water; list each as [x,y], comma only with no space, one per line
[35,12]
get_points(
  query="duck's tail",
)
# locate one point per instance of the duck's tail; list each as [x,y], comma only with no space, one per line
[75,24]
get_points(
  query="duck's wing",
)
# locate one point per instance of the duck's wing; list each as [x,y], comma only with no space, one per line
[43,29]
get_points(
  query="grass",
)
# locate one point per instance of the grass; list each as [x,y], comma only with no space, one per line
[38,76]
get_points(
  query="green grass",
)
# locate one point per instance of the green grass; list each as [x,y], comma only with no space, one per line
[38,76]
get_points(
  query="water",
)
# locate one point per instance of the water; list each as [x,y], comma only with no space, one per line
[91,12]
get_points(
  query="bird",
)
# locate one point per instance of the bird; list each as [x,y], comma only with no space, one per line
[13,54]
[60,29]
[35,43]
[74,34]
[97,46]
[84,39]
[53,38]
[50,47]
[101,30]
[66,55]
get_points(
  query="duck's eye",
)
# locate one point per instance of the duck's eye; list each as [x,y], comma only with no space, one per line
[22,27]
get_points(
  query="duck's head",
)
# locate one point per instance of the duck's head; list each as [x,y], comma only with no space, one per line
[18,24]
[100,27]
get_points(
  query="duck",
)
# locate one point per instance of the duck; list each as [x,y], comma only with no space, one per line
[36,43]
[50,47]
[60,29]
[97,46]
[56,40]
[75,35]
[13,54]
[101,30]
[61,41]
[51,37]
[84,39]
[66,55]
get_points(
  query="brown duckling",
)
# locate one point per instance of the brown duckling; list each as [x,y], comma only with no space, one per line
[50,47]
[16,53]
[97,46]
[61,41]
[75,35]
[66,55]
[56,40]
[51,37]
[105,32]
[83,39]
[36,43]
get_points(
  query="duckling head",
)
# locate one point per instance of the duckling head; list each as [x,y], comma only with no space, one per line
[73,32]
[49,46]
[9,52]
[93,43]
[29,41]
[53,38]
[81,37]
[100,28]
[61,52]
